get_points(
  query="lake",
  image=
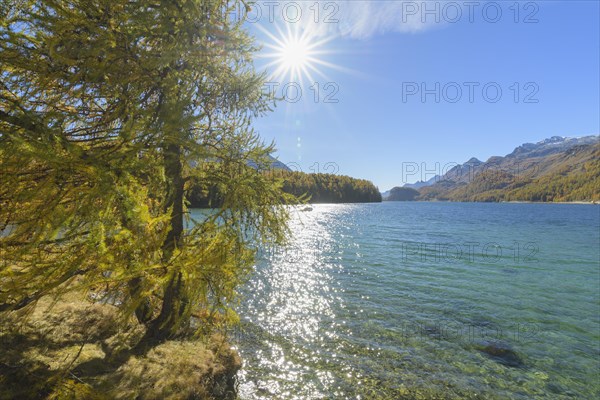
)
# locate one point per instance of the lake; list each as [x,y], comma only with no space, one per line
[426,300]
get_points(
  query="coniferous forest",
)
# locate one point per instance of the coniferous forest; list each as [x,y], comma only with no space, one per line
[310,187]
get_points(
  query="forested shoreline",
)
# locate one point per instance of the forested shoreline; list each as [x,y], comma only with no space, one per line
[310,187]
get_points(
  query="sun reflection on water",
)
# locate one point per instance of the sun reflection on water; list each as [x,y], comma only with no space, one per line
[291,303]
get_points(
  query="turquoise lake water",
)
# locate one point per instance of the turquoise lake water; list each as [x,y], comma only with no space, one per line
[426,300]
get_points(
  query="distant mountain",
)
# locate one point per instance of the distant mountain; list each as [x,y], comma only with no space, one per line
[553,145]
[420,184]
[472,163]
[461,173]
[275,164]
[402,194]
[437,178]
[554,169]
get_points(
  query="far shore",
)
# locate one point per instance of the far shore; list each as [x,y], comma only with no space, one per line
[512,202]
[554,202]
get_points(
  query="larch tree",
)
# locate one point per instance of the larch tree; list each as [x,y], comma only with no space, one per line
[108,108]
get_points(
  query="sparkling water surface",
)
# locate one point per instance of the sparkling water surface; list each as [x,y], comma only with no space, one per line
[426,300]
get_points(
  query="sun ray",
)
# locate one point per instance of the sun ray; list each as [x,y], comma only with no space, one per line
[294,54]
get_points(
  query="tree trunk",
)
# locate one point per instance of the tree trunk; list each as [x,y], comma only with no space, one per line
[174,310]
[143,312]
[175,182]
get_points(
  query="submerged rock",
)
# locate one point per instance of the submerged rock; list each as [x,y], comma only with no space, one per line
[502,353]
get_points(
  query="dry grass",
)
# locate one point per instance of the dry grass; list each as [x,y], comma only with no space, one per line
[77,350]
[175,370]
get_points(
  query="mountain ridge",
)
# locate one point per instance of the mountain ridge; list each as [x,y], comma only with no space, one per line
[567,166]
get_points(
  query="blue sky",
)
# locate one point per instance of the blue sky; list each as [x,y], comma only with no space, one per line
[379,56]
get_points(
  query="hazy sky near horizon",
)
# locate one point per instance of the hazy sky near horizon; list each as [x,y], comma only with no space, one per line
[392,83]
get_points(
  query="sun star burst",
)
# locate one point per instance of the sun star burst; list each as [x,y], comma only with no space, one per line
[294,55]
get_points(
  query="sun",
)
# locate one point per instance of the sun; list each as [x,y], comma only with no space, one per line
[294,55]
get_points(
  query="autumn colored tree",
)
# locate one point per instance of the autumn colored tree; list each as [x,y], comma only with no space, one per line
[108,109]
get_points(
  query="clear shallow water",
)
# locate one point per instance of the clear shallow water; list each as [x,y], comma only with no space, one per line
[398,300]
